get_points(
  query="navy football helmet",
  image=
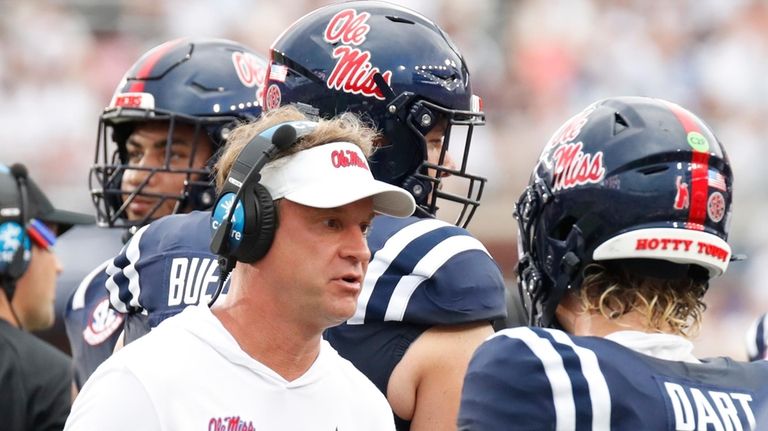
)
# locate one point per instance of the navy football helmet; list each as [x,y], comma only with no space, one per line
[210,84]
[398,70]
[634,179]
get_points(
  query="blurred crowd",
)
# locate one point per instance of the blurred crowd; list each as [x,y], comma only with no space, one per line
[534,62]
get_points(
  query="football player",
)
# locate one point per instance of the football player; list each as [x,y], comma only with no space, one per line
[432,289]
[158,139]
[622,226]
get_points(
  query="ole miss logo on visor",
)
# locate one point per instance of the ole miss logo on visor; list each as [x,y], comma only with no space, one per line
[354,71]
[347,158]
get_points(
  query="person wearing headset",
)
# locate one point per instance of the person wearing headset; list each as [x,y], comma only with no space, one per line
[36,377]
[296,199]
[623,228]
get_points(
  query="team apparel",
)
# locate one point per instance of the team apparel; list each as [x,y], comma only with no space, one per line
[36,382]
[224,388]
[92,327]
[164,268]
[423,272]
[534,378]
[757,339]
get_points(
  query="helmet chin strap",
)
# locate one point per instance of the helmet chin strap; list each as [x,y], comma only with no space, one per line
[382,85]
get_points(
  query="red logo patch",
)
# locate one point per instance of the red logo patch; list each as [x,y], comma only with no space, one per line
[681,198]
[716,207]
[102,323]
[272,98]
[128,101]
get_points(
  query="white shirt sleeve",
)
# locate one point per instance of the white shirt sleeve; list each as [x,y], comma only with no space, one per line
[114,399]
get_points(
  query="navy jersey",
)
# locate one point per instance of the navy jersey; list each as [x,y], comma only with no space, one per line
[80,249]
[91,326]
[423,272]
[757,338]
[534,378]
[165,267]
[430,272]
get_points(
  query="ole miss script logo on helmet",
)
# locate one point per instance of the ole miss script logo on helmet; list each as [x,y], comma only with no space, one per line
[572,166]
[249,71]
[353,72]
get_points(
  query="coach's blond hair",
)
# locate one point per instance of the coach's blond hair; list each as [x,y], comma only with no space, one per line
[346,127]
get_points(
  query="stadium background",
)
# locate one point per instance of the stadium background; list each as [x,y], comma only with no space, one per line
[534,62]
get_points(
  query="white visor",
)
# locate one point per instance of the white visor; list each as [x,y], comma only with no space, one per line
[674,245]
[332,175]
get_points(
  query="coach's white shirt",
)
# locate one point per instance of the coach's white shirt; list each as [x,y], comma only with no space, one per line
[190,374]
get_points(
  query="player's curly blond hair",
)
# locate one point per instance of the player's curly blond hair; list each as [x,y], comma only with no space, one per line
[671,306]
[346,127]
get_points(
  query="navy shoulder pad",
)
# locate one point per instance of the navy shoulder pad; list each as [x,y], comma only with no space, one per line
[427,271]
[166,266]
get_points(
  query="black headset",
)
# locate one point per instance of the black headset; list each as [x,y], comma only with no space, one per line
[13,226]
[247,236]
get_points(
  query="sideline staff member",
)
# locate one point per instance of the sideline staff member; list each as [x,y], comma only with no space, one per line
[35,377]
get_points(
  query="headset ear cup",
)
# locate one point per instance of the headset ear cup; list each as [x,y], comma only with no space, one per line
[256,244]
[14,244]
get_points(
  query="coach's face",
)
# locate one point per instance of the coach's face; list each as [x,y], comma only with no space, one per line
[146,149]
[318,260]
[36,290]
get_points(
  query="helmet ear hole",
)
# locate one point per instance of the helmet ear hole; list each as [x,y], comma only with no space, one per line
[561,231]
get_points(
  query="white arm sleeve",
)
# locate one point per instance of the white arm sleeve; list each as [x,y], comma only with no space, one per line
[113,399]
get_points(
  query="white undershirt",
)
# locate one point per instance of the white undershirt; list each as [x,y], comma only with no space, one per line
[662,346]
